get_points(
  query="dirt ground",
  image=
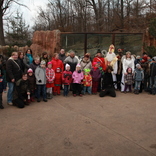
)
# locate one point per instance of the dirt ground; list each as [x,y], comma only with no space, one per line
[81,126]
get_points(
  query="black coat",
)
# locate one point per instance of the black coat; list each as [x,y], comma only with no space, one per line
[13,70]
[107,81]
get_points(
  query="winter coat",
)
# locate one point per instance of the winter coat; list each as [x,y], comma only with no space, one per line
[62,57]
[128,79]
[26,62]
[153,69]
[40,74]
[50,75]
[21,87]
[72,62]
[101,60]
[33,66]
[77,77]
[56,63]
[138,74]
[67,77]
[58,79]
[32,82]
[21,64]
[107,81]
[86,64]
[87,80]
[13,70]
[2,85]
[96,74]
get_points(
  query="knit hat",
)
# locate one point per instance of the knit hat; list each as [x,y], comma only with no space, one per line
[138,65]
[49,63]
[78,65]
[138,57]
[30,70]
[154,58]
[67,65]
[43,62]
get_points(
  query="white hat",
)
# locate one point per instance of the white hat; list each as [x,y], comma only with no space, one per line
[67,65]
[78,65]
[138,65]
[154,58]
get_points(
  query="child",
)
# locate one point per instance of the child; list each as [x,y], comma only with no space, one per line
[32,84]
[87,81]
[138,77]
[21,92]
[57,81]
[96,75]
[40,74]
[77,78]
[66,79]
[50,75]
[2,88]
[128,79]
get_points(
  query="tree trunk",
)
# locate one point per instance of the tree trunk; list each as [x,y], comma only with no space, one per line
[2,41]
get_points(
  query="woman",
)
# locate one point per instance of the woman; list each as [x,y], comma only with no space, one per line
[128,62]
[28,58]
[86,63]
[20,60]
[44,57]
[21,92]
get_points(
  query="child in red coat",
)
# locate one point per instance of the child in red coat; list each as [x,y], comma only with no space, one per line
[50,75]
[57,81]
[66,79]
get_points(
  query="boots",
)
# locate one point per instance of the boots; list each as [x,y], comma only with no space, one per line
[32,99]
[48,95]
[51,96]
[1,106]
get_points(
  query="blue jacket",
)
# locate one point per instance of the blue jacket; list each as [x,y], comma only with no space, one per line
[138,75]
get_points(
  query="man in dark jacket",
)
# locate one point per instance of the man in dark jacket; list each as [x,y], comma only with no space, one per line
[107,84]
[13,74]
[62,55]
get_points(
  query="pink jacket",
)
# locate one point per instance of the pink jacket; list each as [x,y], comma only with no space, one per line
[77,77]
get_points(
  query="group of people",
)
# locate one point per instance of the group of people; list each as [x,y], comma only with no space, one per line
[29,78]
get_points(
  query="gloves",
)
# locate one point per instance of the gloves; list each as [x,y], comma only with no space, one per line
[39,81]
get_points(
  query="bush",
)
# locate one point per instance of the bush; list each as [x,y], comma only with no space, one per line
[151,50]
[152,27]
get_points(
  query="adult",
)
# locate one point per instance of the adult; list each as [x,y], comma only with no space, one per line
[44,57]
[21,92]
[20,60]
[128,62]
[119,70]
[62,55]
[72,61]
[107,84]
[86,63]
[13,74]
[28,58]
[111,60]
[99,59]
[35,63]
[57,63]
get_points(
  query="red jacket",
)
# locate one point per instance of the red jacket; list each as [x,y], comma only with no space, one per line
[67,77]
[102,62]
[56,63]
[58,78]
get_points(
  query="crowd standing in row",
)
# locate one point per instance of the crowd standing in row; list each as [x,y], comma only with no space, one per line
[29,77]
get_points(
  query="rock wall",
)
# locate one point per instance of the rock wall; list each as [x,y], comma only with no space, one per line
[48,41]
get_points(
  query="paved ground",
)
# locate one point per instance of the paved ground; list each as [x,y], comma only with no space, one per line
[81,126]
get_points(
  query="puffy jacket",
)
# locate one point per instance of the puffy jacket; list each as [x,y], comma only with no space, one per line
[56,63]
[40,74]
[96,74]
[67,77]
[138,74]
[77,77]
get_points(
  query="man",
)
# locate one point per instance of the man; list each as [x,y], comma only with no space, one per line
[72,61]
[111,60]
[13,74]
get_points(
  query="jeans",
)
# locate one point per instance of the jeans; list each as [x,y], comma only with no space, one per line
[41,89]
[88,89]
[137,85]
[10,92]
[66,90]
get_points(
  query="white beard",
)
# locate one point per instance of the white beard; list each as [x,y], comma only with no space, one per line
[110,57]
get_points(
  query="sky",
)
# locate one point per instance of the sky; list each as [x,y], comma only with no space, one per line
[31,13]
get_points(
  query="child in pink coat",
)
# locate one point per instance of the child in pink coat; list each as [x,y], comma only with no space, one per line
[77,80]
